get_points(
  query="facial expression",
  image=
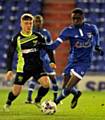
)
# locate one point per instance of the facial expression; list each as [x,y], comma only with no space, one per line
[27,26]
[77,19]
[38,23]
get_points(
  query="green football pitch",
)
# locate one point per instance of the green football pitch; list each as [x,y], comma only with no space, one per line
[91,106]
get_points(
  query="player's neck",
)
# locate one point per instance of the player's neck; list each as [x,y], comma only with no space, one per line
[26,33]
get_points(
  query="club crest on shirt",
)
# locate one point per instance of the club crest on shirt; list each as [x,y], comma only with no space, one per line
[82,73]
[89,35]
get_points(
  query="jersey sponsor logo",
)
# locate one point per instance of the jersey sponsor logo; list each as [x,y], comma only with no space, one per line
[86,43]
[26,51]
[83,44]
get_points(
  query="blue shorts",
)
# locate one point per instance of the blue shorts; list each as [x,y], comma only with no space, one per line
[79,69]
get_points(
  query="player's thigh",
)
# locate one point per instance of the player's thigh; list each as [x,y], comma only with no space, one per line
[20,79]
[44,81]
[41,77]
[73,81]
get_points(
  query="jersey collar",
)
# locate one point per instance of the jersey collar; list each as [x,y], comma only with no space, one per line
[26,35]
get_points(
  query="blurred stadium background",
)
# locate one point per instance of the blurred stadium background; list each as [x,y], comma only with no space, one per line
[57,16]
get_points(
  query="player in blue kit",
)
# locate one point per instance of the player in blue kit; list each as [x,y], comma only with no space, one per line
[83,37]
[47,65]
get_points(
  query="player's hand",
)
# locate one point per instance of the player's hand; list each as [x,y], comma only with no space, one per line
[9,75]
[99,50]
[53,65]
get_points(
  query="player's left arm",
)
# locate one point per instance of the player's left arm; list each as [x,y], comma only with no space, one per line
[96,41]
[61,38]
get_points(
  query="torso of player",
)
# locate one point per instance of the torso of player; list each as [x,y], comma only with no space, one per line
[81,40]
[27,47]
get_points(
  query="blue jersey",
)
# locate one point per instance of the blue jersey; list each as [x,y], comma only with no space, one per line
[82,39]
[48,40]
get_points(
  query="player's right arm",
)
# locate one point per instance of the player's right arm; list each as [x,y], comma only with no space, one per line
[64,35]
[10,55]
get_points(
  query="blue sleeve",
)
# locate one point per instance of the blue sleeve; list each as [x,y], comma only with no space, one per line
[96,37]
[64,34]
[54,45]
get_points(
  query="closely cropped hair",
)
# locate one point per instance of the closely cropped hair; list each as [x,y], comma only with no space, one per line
[39,17]
[27,16]
[78,10]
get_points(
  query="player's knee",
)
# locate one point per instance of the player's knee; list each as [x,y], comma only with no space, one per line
[16,89]
[45,81]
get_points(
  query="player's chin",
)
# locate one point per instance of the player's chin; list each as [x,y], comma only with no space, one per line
[28,30]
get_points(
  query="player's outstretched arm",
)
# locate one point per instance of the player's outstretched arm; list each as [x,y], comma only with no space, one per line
[54,45]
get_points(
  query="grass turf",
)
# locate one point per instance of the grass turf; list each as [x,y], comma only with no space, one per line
[91,106]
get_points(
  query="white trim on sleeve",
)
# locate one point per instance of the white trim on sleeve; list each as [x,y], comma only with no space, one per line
[60,40]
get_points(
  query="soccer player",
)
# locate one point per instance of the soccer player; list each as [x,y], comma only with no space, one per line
[83,38]
[29,62]
[48,66]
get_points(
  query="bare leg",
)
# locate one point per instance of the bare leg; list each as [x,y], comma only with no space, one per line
[72,81]
[12,96]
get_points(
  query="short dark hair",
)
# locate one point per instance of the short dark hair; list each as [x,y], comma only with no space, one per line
[39,17]
[78,10]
